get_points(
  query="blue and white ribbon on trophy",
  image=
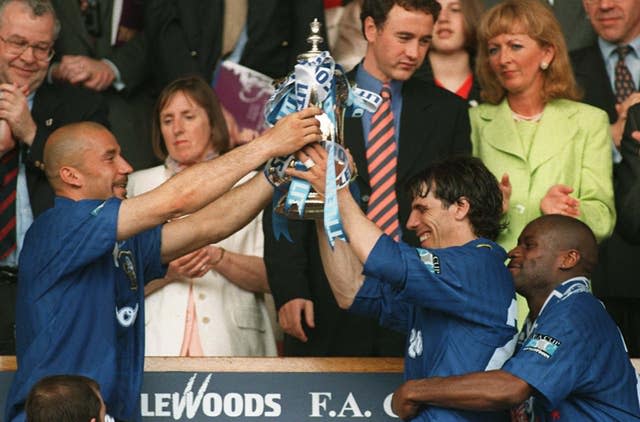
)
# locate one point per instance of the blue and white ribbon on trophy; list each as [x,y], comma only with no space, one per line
[318,76]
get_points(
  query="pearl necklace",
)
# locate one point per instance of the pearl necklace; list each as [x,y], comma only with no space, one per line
[521,118]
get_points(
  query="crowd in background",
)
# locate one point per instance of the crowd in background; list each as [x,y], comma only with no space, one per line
[545,98]
[129,50]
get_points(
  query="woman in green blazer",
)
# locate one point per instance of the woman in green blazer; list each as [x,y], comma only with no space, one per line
[551,154]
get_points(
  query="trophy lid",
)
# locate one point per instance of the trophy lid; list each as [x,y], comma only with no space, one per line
[314,39]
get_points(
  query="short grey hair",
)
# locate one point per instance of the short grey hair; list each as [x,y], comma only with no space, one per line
[38,8]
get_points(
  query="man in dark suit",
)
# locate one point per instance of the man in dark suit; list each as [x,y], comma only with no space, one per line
[430,123]
[617,24]
[29,112]
[102,47]
[615,280]
[189,36]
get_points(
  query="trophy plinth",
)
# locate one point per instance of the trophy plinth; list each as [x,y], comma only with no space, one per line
[313,208]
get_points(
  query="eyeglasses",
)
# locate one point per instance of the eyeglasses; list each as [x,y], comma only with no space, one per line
[17,47]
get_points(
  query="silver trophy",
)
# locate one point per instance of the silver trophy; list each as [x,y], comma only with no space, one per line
[329,92]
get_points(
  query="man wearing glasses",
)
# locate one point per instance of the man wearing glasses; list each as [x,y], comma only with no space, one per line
[609,74]
[29,112]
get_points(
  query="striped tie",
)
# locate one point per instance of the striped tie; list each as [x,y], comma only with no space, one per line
[382,159]
[9,165]
[623,80]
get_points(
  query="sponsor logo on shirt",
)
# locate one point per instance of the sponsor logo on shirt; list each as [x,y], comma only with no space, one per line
[127,316]
[431,261]
[542,344]
[415,344]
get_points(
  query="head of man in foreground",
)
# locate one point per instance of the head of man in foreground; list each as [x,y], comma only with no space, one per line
[84,161]
[453,201]
[65,398]
[551,249]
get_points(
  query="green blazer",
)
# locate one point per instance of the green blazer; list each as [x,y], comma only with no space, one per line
[571,146]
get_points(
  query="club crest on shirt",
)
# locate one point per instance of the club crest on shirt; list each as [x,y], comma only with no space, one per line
[542,344]
[431,261]
[126,316]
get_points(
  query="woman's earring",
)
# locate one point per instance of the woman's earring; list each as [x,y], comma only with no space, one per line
[544,65]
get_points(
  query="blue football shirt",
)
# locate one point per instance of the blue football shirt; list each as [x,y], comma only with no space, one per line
[456,304]
[80,303]
[574,356]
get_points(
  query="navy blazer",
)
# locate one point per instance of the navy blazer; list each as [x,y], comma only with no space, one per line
[591,75]
[185,36]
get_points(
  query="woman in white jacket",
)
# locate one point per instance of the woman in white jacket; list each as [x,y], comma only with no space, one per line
[211,302]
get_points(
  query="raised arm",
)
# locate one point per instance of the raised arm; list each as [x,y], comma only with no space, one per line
[342,267]
[203,183]
[362,233]
[217,220]
[343,264]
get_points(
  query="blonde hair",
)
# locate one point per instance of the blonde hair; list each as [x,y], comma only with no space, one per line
[538,22]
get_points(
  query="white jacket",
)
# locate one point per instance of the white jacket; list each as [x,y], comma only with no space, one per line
[231,321]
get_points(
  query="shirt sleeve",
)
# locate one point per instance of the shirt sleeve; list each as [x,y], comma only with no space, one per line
[148,247]
[91,234]
[378,300]
[553,358]
[428,278]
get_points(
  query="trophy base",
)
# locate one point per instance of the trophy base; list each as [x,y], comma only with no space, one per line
[313,208]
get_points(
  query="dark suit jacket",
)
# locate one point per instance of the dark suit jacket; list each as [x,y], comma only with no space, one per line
[615,276]
[55,106]
[434,124]
[591,75]
[130,57]
[130,109]
[186,35]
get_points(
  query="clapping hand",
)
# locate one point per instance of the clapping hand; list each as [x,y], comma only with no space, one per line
[558,201]
[14,109]
[194,264]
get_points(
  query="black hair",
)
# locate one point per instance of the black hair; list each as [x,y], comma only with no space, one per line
[463,177]
[379,9]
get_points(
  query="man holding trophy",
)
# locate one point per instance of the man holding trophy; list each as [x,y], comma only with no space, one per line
[414,125]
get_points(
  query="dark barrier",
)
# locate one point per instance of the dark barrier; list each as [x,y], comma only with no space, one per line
[257,389]
[262,389]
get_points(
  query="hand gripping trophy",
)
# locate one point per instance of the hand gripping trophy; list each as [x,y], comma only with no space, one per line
[316,81]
